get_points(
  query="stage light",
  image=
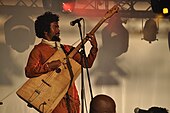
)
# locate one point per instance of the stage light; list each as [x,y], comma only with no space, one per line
[161,7]
[165,11]
[67,7]
[150,31]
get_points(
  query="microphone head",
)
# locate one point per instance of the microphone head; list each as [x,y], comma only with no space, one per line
[138,110]
[1,103]
[72,23]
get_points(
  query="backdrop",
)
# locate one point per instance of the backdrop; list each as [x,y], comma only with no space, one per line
[134,72]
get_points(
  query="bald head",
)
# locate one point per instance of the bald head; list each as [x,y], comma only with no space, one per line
[102,104]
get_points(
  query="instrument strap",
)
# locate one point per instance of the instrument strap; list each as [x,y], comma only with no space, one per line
[68,64]
[71,76]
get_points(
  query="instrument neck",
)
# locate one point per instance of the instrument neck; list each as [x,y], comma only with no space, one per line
[77,48]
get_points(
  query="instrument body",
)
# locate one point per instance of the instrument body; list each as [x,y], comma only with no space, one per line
[44,92]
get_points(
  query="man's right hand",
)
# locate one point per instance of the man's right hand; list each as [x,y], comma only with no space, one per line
[54,64]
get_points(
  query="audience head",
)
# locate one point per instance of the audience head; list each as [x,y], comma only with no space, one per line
[102,104]
[157,110]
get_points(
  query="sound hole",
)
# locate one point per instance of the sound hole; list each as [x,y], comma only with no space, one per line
[58,70]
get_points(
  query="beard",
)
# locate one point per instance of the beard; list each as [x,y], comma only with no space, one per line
[56,38]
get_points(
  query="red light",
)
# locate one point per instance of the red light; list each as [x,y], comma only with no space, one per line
[67,7]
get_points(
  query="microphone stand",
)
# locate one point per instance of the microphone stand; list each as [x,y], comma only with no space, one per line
[83,55]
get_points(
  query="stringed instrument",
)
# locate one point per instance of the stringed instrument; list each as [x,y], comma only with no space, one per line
[44,92]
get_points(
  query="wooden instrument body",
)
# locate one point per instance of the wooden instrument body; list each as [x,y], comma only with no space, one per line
[44,92]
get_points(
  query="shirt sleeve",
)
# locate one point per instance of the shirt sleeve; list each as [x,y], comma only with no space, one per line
[90,59]
[35,66]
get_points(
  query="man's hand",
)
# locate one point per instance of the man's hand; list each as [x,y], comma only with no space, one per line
[54,64]
[92,40]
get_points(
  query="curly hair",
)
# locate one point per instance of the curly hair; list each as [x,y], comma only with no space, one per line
[42,24]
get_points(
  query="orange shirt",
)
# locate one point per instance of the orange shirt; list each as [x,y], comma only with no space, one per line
[36,66]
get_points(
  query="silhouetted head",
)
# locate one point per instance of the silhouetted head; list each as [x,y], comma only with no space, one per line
[157,110]
[151,110]
[102,104]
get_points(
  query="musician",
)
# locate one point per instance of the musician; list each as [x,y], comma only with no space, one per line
[47,28]
[102,104]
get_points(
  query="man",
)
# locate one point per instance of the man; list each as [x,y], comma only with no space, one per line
[47,28]
[102,104]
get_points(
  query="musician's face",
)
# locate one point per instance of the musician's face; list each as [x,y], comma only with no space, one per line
[54,33]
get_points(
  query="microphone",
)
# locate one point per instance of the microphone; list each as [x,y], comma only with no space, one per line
[138,110]
[72,23]
[1,103]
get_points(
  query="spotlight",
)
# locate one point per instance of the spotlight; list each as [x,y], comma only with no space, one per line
[161,7]
[67,7]
[165,11]
[165,7]
[150,31]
